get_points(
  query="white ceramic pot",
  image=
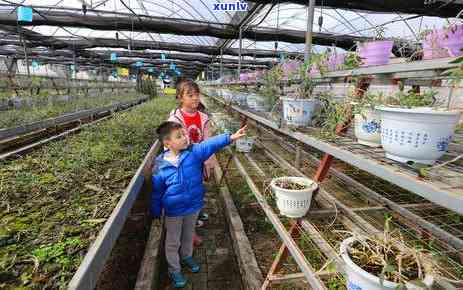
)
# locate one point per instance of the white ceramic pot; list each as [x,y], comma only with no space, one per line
[244,144]
[419,135]
[367,128]
[359,279]
[294,203]
[298,112]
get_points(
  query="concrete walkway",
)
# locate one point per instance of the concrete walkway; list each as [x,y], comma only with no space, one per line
[219,268]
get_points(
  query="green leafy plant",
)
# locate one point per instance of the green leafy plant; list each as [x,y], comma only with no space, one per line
[352,61]
[331,114]
[271,87]
[456,73]
[412,99]
[306,85]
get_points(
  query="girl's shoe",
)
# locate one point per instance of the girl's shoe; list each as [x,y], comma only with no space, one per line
[178,279]
[191,263]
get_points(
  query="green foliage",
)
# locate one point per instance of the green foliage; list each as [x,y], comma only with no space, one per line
[271,88]
[352,61]
[456,73]
[25,115]
[412,99]
[330,115]
[60,195]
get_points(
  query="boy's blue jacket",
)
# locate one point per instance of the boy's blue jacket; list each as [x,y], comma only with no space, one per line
[179,190]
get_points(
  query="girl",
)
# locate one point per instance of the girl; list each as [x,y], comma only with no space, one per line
[190,114]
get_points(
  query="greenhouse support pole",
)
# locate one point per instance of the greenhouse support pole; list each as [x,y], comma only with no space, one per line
[308,34]
[221,63]
[239,51]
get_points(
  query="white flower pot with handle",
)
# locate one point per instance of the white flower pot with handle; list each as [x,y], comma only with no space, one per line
[294,203]
[419,135]
[359,279]
[244,144]
[298,112]
[367,128]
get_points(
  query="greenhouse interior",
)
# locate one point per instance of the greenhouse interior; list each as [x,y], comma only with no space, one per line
[231,144]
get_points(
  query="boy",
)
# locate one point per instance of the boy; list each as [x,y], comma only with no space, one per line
[178,189]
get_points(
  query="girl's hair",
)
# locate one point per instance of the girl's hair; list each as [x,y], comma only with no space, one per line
[185,85]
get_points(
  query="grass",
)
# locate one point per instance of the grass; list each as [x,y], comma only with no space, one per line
[54,201]
[25,115]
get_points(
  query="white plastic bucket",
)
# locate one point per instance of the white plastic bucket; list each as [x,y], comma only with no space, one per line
[298,112]
[359,279]
[294,203]
[244,144]
[367,128]
[419,135]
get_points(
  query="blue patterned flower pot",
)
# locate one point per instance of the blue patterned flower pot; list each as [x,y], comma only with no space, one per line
[367,128]
[417,135]
[298,112]
[359,279]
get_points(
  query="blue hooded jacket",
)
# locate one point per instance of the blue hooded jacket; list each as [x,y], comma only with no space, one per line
[179,189]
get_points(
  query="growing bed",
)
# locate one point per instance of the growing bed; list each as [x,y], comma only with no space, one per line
[55,200]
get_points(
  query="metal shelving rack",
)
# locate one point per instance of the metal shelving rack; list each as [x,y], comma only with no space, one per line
[445,192]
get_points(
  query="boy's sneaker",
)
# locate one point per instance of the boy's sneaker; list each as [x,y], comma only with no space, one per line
[203,217]
[192,264]
[178,279]
[199,223]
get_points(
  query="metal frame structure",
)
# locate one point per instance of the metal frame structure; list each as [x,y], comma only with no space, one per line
[352,218]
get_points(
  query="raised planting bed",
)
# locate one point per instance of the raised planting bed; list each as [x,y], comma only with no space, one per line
[25,115]
[55,200]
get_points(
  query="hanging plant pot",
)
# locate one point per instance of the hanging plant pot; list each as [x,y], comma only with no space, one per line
[293,195]
[375,52]
[257,103]
[367,128]
[244,144]
[359,279]
[419,135]
[298,112]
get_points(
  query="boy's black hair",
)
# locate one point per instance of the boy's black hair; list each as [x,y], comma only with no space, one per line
[166,128]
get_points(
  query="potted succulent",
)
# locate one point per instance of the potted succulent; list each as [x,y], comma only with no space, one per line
[299,110]
[375,52]
[293,195]
[384,262]
[412,131]
[367,121]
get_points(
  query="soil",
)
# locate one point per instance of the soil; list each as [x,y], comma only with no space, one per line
[287,184]
[360,255]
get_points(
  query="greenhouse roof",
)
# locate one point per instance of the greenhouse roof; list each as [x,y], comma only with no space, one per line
[197,26]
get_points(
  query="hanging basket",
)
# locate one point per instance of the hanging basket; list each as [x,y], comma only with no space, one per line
[293,203]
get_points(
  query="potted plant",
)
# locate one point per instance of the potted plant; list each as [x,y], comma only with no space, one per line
[299,110]
[375,52]
[270,90]
[367,121]
[384,262]
[293,195]
[412,131]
